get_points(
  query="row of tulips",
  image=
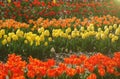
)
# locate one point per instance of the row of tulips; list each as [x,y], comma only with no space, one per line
[75,22]
[97,66]
[25,10]
[60,23]
[90,39]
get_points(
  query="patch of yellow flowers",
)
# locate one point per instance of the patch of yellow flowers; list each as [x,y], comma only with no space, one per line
[28,37]
[31,38]
[111,32]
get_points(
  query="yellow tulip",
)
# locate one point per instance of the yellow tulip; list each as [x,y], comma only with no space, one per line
[25,41]
[28,38]
[113,40]
[97,36]
[2,31]
[69,37]
[46,44]
[110,28]
[77,33]
[73,34]
[99,29]
[117,31]
[116,38]
[42,38]
[11,34]
[53,34]
[87,34]
[83,36]
[37,38]
[54,1]
[115,26]
[19,33]
[9,1]
[82,29]
[15,37]
[46,33]
[111,35]
[31,43]
[68,30]
[106,31]
[103,36]
[5,36]
[40,30]
[4,42]
[91,25]
[89,28]
[37,43]
[60,34]
[92,28]
[64,35]
[75,29]
[105,27]
[8,39]
[49,39]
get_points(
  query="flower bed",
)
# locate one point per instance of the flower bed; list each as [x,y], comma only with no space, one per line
[60,23]
[55,38]
[42,29]
[25,10]
[97,66]
[92,30]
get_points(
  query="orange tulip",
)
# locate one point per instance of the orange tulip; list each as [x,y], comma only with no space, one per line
[92,76]
[31,74]
[51,73]
[70,72]
[101,71]
[80,70]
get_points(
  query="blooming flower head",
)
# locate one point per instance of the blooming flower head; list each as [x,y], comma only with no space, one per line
[92,76]
[70,72]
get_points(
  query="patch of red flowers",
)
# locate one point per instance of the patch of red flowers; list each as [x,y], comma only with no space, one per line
[16,68]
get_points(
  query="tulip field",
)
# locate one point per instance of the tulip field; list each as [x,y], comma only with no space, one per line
[60,39]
